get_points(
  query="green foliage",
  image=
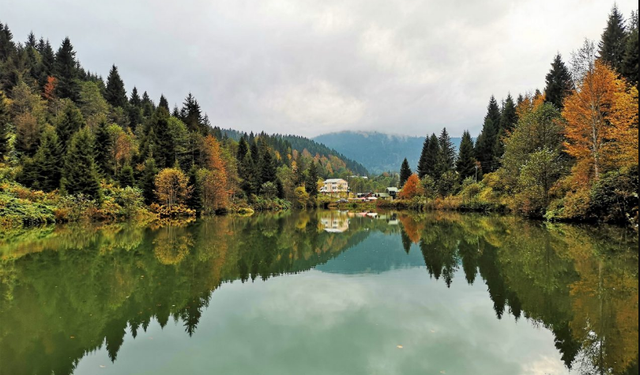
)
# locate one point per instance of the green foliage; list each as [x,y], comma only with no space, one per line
[559,83]
[66,71]
[466,163]
[447,184]
[43,171]
[611,48]
[115,94]
[405,172]
[311,182]
[508,115]
[68,123]
[630,67]
[80,173]
[447,154]
[147,182]
[614,197]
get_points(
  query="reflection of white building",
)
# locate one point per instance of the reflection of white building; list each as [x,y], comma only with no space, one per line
[334,185]
[335,224]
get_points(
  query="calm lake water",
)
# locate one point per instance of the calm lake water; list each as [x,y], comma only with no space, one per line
[320,293]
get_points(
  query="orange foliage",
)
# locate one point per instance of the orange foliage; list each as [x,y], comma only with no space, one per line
[411,228]
[172,187]
[410,188]
[598,118]
[215,192]
[624,119]
[50,88]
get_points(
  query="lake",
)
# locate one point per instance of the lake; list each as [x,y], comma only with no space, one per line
[322,292]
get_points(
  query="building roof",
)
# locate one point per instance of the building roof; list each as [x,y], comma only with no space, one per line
[392,189]
[334,180]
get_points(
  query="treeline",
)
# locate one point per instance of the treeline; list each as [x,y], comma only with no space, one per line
[68,133]
[569,152]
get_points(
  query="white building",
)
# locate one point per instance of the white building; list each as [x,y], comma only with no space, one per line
[334,185]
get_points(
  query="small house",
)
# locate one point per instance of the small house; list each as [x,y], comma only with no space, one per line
[392,191]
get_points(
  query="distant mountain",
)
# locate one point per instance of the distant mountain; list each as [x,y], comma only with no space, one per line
[378,152]
[301,144]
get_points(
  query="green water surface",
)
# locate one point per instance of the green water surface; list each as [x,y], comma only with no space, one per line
[320,293]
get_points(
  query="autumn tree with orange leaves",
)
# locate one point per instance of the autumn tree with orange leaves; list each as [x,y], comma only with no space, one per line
[411,188]
[602,123]
[215,194]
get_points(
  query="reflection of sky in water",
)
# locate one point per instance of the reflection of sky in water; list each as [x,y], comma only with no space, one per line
[331,323]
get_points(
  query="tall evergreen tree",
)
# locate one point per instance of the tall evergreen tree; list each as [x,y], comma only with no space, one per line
[486,141]
[405,172]
[4,125]
[612,44]
[135,109]
[69,122]
[163,103]
[194,201]
[47,62]
[508,115]
[191,114]
[147,182]
[466,163]
[423,162]
[43,172]
[115,94]
[559,83]
[103,146]
[268,168]
[80,173]
[66,70]
[311,183]
[447,153]
[630,68]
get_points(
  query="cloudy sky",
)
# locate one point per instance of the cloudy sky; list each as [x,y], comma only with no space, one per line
[310,67]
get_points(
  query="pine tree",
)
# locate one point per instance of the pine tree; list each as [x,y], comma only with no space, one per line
[612,45]
[163,103]
[69,122]
[311,183]
[466,163]
[103,147]
[423,162]
[486,141]
[268,168]
[147,182]
[66,70]
[47,61]
[195,199]
[559,83]
[191,114]
[4,125]
[630,68]
[135,109]
[126,177]
[405,172]
[447,153]
[508,116]
[43,172]
[115,94]
[80,173]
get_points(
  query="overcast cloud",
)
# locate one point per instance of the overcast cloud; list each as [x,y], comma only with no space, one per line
[310,67]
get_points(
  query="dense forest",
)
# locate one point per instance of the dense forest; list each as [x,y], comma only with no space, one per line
[73,145]
[569,152]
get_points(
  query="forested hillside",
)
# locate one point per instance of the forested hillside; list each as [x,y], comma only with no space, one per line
[73,144]
[378,152]
[340,165]
[569,152]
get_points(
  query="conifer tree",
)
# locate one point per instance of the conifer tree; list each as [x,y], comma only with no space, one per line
[194,201]
[486,141]
[163,103]
[268,169]
[135,109]
[447,153]
[66,70]
[80,173]
[191,114]
[47,61]
[433,153]
[405,172]
[43,172]
[103,146]
[465,164]
[423,166]
[147,182]
[311,183]
[115,94]
[508,116]
[613,42]
[630,67]
[4,125]
[126,177]
[69,122]
[559,83]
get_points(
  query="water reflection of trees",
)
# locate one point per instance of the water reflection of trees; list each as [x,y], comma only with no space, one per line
[579,282]
[74,290]
[67,291]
